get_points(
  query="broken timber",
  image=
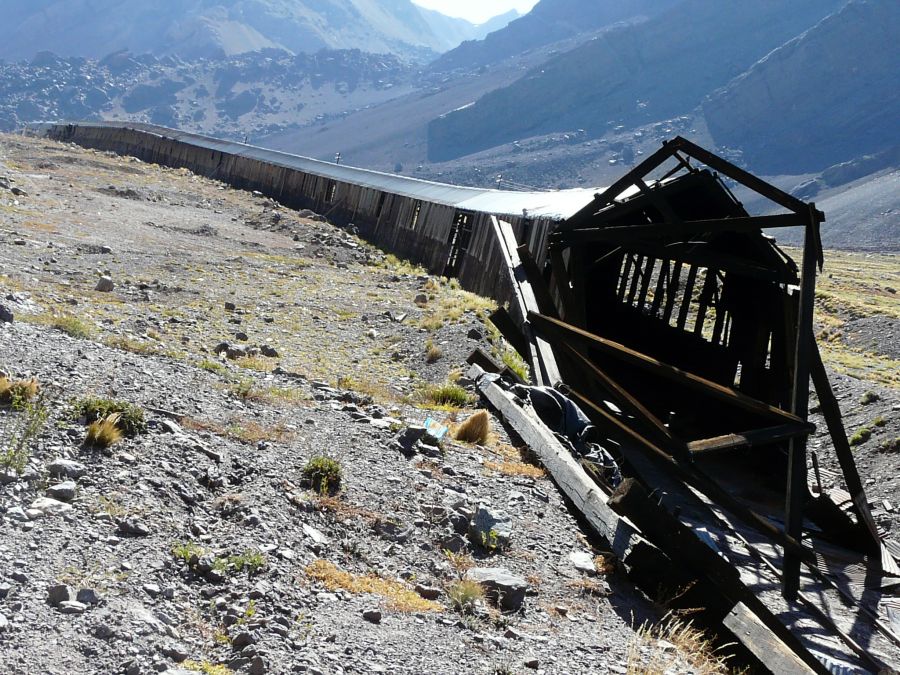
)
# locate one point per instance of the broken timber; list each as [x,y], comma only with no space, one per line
[634,552]
[685,335]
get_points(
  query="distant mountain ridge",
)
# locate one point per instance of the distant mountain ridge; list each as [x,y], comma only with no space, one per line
[549,21]
[628,76]
[217,28]
[833,91]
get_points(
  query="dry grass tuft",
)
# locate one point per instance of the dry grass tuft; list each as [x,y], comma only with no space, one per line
[17,391]
[475,429]
[460,562]
[104,432]
[399,597]
[673,646]
[433,353]
[243,430]
[516,462]
[516,469]
[464,596]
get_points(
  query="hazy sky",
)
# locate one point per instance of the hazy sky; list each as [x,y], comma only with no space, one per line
[477,11]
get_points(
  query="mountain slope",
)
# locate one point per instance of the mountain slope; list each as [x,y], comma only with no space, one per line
[630,75]
[192,28]
[832,91]
[549,21]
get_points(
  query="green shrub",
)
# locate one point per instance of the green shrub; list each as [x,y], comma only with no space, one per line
[447,395]
[19,428]
[861,436]
[130,417]
[869,397]
[72,325]
[324,474]
[465,595]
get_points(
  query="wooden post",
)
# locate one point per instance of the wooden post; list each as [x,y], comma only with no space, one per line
[797,489]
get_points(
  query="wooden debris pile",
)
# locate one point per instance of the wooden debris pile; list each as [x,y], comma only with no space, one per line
[685,334]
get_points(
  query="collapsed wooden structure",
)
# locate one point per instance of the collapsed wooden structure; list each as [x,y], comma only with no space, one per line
[685,334]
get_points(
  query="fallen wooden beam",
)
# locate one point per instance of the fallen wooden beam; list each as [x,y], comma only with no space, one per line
[625,542]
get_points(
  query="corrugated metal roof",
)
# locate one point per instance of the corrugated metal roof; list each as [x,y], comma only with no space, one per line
[554,204]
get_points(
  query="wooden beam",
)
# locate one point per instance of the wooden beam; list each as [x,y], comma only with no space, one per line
[680,543]
[538,285]
[624,540]
[831,411]
[647,363]
[771,651]
[797,486]
[691,475]
[510,331]
[637,231]
[750,439]
[539,353]
[746,178]
[629,402]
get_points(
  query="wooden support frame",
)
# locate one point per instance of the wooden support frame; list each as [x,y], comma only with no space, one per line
[695,382]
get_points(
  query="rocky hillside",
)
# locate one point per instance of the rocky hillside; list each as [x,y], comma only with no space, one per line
[629,76]
[271,505]
[831,91]
[550,21]
[236,97]
[203,28]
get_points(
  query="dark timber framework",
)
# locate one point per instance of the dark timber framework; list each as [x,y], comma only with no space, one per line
[686,335]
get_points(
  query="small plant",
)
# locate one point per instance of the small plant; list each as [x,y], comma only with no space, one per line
[324,474]
[207,668]
[72,326]
[248,561]
[890,445]
[446,395]
[104,432]
[188,551]
[490,541]
[475,429]
[465,595]
[213,366]
[432,352]
[20,427]
[879,422]
[460,562]
[17,391]
[869,397]
[399,597]
[130,417]
[651,650]
[862,435]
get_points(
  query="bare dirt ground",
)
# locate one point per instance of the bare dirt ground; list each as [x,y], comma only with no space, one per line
[199,544]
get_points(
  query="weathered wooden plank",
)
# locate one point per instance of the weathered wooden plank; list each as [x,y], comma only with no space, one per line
[763,643]
[751,438]
[664,370]
[624,540]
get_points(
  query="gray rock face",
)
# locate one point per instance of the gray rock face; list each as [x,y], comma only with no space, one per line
[372,615]
[583,562]
[67,468]
[88,596]
[490,529]
[58,594]
[46,506]
[105,285]
[500,586]
[64,492]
